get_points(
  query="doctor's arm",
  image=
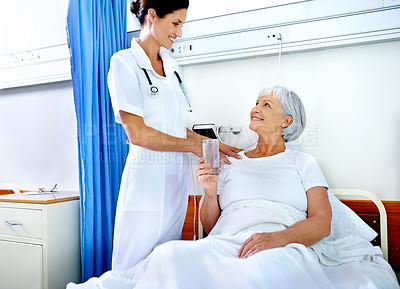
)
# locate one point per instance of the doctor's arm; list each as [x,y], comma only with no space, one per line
[224,149]
[307,232]
[142,135]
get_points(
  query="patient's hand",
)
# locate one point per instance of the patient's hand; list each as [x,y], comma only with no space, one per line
[204,178]
[259,242]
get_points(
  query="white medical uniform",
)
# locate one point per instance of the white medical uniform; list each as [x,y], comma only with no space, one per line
[153,194]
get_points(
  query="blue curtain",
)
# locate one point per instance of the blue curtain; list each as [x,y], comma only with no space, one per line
[96,29]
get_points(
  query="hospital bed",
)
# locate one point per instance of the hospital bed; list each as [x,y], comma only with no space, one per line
[354,274]
[212,262]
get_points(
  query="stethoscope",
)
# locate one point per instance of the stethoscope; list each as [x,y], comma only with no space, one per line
[153,90]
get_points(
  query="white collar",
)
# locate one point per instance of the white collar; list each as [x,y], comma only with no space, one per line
[144,62]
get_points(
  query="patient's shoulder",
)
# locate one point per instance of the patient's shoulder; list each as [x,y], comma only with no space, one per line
[299,156]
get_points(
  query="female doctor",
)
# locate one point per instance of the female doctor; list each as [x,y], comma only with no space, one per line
[148,101]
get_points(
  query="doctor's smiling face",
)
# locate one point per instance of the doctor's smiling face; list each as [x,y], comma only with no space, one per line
[166,29]
[267,116]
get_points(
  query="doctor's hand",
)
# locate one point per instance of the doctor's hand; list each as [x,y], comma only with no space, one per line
[204,177]
[225,151]
[259,242]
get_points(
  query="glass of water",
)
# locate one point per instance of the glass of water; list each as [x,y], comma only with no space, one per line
[211,153]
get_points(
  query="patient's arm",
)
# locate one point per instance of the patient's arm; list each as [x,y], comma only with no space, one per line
[307,232]
[210,210]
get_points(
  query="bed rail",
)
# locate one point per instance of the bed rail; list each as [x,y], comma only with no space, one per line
[382,213]
[201,229]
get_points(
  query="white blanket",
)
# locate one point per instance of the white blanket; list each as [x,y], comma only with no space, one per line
[213,263]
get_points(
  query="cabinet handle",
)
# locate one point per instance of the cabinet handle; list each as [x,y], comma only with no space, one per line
[12,223]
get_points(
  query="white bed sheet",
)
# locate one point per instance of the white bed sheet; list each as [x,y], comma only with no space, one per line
[369,274]
[213,263]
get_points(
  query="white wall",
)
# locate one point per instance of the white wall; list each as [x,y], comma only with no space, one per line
[24,24]
[352,99]
[38,146]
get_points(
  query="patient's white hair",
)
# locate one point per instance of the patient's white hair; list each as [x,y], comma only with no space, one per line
[291,105]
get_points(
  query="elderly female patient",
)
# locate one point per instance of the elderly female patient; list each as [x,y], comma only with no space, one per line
[271,172]
[262,213]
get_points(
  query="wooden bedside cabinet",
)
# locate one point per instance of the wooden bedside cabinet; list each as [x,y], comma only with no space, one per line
[39,241]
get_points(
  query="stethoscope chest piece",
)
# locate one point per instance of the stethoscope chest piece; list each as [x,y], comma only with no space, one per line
[153,90]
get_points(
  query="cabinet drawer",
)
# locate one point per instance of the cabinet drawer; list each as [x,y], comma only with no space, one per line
[21,223]
[21,266]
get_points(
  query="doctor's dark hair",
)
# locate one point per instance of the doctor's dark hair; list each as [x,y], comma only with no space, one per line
[162,7]
[291,106]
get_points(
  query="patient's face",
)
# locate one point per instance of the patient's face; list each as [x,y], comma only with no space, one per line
[267,117]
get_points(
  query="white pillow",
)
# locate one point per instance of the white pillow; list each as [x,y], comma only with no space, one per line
[345,222]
